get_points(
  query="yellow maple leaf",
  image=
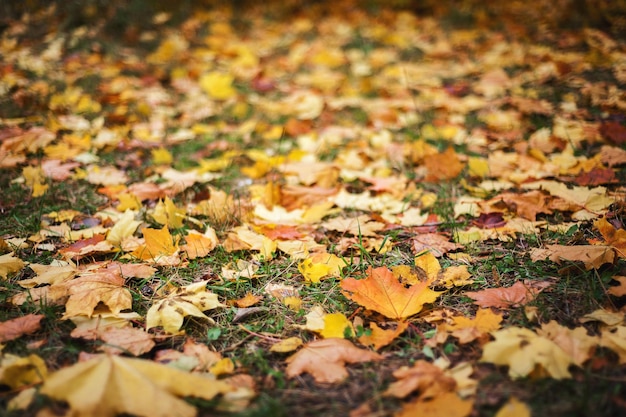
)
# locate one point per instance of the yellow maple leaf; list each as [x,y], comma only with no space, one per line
[123,228]
[35,179]
[287,345]
[447,404]
[17,372]
[190,300]
[524,352]
[467,329]
[159,244]
[382,292]
[161,156]
[218,85]
[428,263]
[514,408]
[166,213]
[336,325]
[10,264]
[108,385]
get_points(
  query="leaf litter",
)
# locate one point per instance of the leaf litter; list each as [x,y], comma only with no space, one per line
[403,197]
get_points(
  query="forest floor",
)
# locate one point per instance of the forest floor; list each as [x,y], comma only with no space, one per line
[301,211]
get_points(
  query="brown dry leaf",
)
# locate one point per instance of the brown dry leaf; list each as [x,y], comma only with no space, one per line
[125,340]
[357,226]
[575,342]
[593,256]
[443,166]
[382,292]
[516,295]
[91,246]
[424,377]
[613,236]
[382,337]
[87,292]
[447,404]
[325,360]
[618,290]
[435,243]
[14,328]
[107,385]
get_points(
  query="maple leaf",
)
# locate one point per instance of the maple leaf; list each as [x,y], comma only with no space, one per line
[320,265]
[218,85]
[593,256]
[514,408]
[14,328]
[325,360]
[518,294]
[575,342]
[613,236]
[287,345]
[336,325]
[618,290]
[108,385]
[443,166]
[87,292]
[434,243]
[125,340]
[615,339]
[123,228]
[166,213]
[523,351]
[382,337]
[382,292]
[18,372]
[10,264]
[468,329]
[190,300]
[424,377]
[199,244]
[447,404]
[160,247]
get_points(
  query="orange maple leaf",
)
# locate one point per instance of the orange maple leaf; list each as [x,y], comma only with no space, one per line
[325,359]
[518,294]
[382,292]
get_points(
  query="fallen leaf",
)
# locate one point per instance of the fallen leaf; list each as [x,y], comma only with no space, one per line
[443,166]
[615,339]
[14,328]
[434,243]
[516,295]
[514,408]
[18,372]
[575,342]
[87,292]
[613,236]
[523,351]
[190,300]
[336,325]
[429,380]
[469,329]
[10,264]
[55,273]
[287,345]
[382,292]
[447,404]
[126,340]
[593,256]
[618,290]
[199,245]
[382,337]
[109,385]
[325,360]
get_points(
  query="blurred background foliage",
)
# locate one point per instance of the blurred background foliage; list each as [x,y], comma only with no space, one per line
[528,18]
